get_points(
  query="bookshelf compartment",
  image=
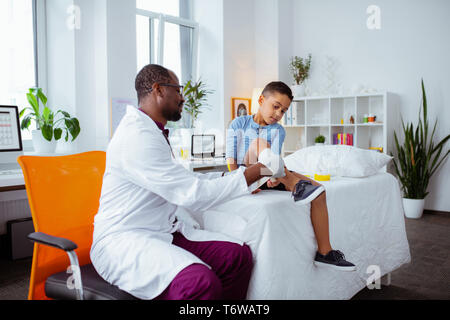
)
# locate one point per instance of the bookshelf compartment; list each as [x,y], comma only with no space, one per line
[370,105]
[314,131]
[298,113]
[342,109]
[370,136]
[344,130]
[317,111]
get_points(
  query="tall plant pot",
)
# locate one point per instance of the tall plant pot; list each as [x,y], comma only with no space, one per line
[40,144]
[413,207]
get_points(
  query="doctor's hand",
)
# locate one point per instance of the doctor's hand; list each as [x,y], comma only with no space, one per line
[289,180]
[256,191]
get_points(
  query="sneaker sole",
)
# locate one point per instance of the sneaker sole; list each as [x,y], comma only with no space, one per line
[332,266]
[312,196]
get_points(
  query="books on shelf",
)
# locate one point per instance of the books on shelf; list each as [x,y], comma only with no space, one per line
[343,138]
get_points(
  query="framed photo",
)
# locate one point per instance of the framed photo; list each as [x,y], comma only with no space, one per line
[10,135]
[240,107]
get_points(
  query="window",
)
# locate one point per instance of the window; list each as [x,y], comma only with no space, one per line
[18,53]
[165,35]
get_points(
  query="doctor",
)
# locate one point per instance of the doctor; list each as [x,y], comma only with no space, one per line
[145,240]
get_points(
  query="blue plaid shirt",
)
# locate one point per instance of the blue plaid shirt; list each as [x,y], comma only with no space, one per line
[243,130]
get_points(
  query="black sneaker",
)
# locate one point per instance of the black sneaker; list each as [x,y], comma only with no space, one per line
[334,259]
[305,192]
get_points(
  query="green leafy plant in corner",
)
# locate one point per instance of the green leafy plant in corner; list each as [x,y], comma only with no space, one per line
[419,156]
[49,123]
[299,68]
[195,94]
[320,139]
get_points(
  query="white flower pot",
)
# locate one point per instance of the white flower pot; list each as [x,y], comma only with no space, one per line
[413,207]
[40,144]
[319,144]
[298,90]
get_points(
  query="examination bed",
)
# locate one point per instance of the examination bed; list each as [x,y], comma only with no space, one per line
[366,223]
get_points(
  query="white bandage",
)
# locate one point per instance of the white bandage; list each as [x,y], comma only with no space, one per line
[273,162]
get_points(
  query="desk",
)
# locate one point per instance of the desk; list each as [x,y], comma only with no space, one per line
[12,182]
[15,181]
[205,165]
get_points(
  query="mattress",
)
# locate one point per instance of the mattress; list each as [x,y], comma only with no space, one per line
[366,223]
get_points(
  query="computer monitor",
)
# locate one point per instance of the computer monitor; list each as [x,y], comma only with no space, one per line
[10,136]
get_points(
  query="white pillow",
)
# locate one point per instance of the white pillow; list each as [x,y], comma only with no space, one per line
[337,160]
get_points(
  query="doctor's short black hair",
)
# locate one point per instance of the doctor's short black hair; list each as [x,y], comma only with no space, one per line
[280,87]
[148,76]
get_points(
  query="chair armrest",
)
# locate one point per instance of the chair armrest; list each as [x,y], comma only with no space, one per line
[57,242]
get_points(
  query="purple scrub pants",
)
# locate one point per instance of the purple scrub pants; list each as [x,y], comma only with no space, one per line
[231,266]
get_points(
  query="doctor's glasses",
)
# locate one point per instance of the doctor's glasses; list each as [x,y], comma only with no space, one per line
[176,86]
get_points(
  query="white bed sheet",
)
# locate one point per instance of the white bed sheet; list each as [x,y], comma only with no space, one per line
[366,223]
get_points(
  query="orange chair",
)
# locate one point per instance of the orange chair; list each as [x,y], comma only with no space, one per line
[63,193]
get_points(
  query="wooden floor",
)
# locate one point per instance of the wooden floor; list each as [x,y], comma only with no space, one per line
[426,277]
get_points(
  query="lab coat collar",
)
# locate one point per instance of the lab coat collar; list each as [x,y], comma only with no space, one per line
[144,117]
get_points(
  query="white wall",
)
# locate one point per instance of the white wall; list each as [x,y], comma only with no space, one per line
[89,66]
[210,66]
[412,43]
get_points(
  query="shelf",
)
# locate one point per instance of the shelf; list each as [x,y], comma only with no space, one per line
[311,116]
[379,124]
[375,94]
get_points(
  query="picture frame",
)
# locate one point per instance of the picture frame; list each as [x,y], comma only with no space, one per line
[240,107]
[10,134]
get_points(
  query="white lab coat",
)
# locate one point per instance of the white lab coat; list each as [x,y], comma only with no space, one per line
[144,190]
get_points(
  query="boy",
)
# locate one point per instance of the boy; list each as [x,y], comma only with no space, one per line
[249,135]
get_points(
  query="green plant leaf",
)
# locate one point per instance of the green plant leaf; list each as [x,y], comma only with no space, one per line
[57,133]
[42,96]
[33,102]
[46,113]
[47,131]
[26,121]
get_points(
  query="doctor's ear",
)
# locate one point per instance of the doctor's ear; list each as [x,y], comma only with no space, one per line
[156,88]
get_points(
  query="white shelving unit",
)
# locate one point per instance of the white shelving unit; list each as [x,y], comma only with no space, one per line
[309,117]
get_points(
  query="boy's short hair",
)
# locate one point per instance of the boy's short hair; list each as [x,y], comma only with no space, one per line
[280,87]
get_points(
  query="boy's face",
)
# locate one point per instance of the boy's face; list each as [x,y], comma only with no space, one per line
[273,106]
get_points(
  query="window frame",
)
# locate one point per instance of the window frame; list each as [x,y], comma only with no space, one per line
[163,18]
[40,53]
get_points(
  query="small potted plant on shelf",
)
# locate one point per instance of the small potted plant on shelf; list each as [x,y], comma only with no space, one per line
[417,160]
[50,126]
[320,140]
[299,68]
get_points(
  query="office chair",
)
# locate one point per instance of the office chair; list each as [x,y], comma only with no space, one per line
[63,193]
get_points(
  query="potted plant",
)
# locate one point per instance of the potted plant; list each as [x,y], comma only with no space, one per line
[320,140]
[418,159]
[195,94]
[50,126]
[299,68]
